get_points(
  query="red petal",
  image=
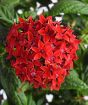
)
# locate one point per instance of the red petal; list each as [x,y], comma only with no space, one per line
[40,44]
[30,19]
[37,56]
[56,53]
[49,18]
[41,31]
[35,49]
[21,20]
[46,38]
[37,63]
[58,36]
[44,68]
[42,19]
[30,36]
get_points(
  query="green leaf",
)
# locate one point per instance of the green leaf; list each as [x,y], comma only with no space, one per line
[84,42]
[30,13]
[85,66]
[86,1]
[3,34]
[10,84]
[6,14]
[5,102]
[2,49]
[40,101]
[25,86]
[74,82]
[9,2]
[69,6]
[30,100]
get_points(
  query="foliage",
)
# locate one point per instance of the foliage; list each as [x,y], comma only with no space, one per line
[70,6]
[75,87]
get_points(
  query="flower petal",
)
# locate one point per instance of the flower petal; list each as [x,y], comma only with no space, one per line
[37,56]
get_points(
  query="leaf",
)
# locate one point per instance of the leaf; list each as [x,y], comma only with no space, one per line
[30,100]
[3,34]
[30,13]
[86,1]
[2,49]
[40,101]
[25,86]
[69,6]
[9,2]
[85,66]
[6,14]
[5,102]
[10,84]
[84,42]
[74,82]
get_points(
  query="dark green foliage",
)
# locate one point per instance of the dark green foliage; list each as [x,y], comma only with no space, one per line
[69,6]
[3,34]
[6,15]
[74,82]
[10,83]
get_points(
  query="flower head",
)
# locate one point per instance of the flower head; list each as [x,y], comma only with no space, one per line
[41,51]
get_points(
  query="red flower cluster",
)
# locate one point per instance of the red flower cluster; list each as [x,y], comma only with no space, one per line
[41,51]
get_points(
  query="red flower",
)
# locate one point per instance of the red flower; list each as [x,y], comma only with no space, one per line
[39,51]
[42,51]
